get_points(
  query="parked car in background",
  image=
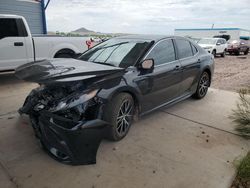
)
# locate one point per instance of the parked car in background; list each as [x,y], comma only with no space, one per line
[18,46]
[215,46]
[238,46]
[81,101]
[226,37]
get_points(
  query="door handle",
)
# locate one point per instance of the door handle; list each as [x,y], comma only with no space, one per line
[18,43]
[199,61]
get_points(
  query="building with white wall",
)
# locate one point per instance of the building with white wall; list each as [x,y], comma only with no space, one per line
[233,33]
[32,10]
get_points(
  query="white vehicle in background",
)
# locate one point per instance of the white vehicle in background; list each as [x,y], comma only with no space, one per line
[18,46]
[215,46]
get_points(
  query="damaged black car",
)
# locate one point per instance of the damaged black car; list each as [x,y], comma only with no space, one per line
[81,101]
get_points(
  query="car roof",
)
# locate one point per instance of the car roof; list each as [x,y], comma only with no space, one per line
[10,16]
[219,38]
[147,37]
[211,38]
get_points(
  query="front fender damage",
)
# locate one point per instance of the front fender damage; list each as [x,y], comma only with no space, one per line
[68,140]
[75,146]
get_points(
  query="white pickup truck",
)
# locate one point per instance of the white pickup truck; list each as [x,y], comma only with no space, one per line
[18,46]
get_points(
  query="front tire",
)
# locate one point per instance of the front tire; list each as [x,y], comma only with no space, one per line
[214,53]
[119,113]
[203,84]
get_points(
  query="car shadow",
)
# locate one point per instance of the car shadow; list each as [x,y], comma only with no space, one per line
[8,78]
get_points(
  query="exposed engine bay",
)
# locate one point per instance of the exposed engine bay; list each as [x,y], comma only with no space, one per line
[51,97]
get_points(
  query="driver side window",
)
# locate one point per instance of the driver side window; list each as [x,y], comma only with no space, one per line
[163,52]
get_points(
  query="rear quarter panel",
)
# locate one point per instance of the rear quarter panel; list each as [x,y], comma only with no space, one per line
[207,64]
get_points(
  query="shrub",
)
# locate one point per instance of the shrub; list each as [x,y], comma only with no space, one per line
[241,115]
[244,167]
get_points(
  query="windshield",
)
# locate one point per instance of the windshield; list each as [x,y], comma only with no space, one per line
[116,52]
[207,41]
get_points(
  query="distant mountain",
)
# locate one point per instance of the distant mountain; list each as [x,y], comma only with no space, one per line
[83,30]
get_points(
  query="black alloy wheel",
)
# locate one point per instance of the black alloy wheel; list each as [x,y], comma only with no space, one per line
[124,118]
[119,112]
[203,85]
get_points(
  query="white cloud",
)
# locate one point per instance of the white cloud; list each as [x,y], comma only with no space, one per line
[146,16]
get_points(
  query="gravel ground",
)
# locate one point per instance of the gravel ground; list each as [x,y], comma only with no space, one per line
[232,72]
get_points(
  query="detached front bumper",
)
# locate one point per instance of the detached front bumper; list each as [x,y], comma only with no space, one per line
[69,142]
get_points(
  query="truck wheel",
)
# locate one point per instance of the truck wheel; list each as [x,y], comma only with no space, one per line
[119,113]
[65,53]
[237,52]
[64,56]
[246,52]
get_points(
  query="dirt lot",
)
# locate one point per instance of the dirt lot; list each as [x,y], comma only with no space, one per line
[232,72]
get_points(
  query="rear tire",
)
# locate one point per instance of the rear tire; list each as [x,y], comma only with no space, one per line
[223,54]
[119,113]
[246,52]
[203,84]
[65,53]
[64,56]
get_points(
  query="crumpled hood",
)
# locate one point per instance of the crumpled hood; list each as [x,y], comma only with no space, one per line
[63,70]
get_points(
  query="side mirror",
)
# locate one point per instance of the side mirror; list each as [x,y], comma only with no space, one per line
[147,64]
[218,43]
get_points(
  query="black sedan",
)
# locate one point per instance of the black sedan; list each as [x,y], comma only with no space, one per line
[81,101]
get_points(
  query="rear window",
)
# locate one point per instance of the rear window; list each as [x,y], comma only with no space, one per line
[184,48]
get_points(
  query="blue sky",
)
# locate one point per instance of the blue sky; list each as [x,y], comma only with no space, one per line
[146,16]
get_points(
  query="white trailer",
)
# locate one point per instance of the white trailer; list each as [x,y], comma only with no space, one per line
[231,33]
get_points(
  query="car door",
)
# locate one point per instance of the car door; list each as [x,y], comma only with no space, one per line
[12,44]
[190,63]
[164,81]
[224,45]
[221,46]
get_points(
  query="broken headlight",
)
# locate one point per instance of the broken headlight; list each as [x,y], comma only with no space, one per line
[73,107]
